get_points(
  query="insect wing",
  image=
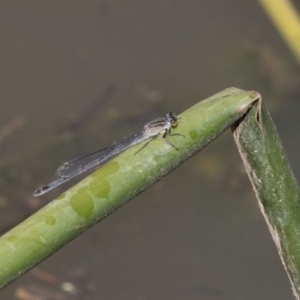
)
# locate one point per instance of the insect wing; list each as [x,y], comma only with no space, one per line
[96,159]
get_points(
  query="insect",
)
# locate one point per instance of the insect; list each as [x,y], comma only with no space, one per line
[75,167]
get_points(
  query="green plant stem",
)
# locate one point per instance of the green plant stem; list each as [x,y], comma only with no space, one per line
[111,186]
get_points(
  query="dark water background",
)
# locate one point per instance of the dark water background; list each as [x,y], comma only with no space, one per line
[76,75]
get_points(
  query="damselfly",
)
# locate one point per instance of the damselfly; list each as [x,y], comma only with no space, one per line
[74,167]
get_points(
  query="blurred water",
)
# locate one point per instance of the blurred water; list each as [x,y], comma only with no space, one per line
[197,234]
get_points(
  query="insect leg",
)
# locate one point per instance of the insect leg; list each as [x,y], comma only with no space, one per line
[166,141]
[178,134]
[152,138]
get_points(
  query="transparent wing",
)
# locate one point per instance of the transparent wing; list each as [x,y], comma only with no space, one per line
[96,159]
[76,166]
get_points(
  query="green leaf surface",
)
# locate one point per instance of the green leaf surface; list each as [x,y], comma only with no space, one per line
[274,184]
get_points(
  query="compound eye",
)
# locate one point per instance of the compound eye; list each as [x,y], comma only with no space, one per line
[174,123]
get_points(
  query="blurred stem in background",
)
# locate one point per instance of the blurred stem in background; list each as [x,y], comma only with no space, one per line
[286,19]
